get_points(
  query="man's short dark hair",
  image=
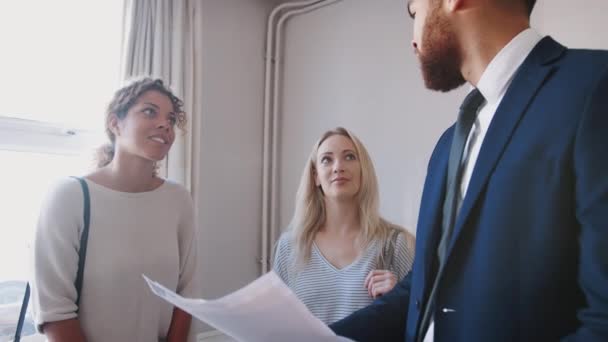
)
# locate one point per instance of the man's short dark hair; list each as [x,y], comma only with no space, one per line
[530,6]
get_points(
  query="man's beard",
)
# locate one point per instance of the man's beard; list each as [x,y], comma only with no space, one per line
[441,59]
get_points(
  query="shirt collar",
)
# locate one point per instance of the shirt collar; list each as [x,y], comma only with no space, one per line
[498,75]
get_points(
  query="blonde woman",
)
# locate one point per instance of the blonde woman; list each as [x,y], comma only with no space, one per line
[339,254]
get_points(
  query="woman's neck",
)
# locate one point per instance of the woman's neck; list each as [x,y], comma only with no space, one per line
[131,174]
[342,218]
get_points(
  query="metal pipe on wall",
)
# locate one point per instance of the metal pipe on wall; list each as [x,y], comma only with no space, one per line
[270,179]
[267,143]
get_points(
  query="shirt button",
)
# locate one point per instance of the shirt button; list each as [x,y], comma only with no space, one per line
[418,304]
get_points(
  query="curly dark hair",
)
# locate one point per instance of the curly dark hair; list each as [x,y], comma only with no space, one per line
[124,98]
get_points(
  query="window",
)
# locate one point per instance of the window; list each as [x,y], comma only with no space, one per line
[60,66]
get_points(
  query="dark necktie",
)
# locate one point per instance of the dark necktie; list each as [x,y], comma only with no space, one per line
[466,118]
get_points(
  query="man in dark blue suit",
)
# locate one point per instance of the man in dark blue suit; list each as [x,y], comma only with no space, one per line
[512,237]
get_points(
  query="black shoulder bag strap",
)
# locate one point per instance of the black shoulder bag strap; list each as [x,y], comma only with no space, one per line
[388,250]
[82,254]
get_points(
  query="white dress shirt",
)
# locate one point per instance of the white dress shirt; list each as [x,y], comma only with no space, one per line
[493,85]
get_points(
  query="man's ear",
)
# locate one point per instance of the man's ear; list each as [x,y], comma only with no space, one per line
[455,5]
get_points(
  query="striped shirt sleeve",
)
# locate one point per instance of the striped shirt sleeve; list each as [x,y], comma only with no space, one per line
[281,258]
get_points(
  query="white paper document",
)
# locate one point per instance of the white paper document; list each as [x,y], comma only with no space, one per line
[264,311]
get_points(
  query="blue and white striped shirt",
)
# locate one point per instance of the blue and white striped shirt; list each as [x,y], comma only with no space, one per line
[331,293]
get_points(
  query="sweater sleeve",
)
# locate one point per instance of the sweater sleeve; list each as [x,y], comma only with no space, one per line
[55,253]
[189,277]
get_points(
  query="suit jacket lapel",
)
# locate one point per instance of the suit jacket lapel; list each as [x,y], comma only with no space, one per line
[429,220]
[524,87]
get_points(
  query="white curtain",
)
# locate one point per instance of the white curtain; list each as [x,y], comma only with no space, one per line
[161,39]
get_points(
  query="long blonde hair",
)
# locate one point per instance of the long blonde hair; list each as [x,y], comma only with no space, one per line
[310,211]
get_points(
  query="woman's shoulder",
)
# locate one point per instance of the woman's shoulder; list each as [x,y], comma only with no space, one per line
[63,199]
[402,237]
[65,188]
[286,239]
[285,243]
[176,190]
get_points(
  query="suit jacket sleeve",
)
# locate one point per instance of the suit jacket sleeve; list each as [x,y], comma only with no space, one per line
[383,320]
[591,172]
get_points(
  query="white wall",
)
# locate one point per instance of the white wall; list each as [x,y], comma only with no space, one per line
[576,24]
[229,195]
[351,64]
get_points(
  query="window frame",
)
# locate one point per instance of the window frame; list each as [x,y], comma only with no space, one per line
[45,137]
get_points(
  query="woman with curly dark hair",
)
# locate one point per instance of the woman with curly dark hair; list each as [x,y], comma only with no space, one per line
[139,224]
